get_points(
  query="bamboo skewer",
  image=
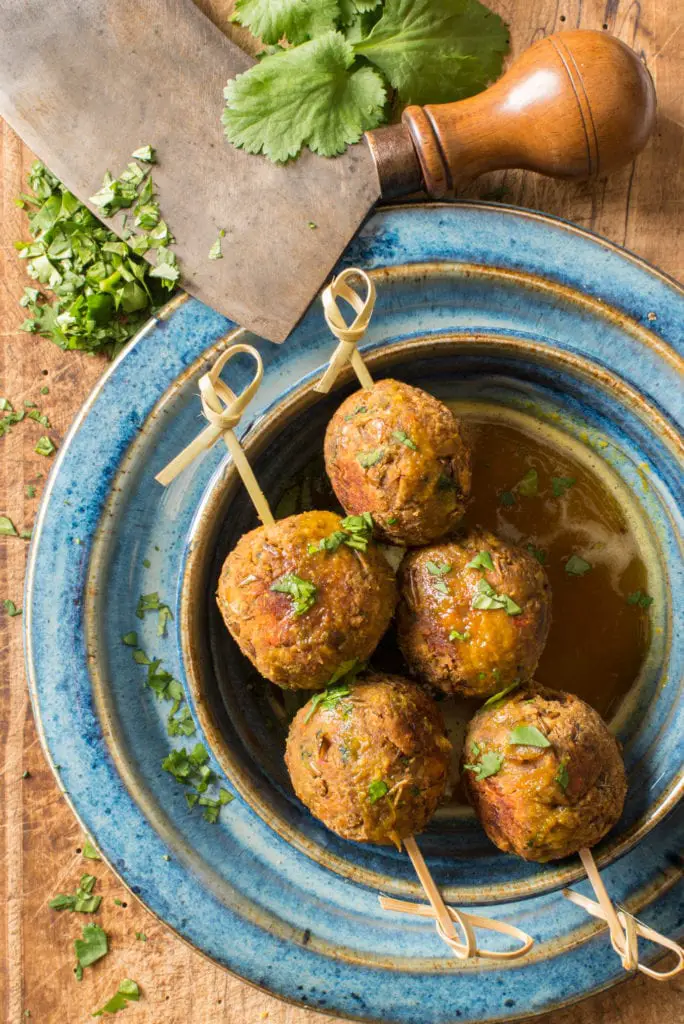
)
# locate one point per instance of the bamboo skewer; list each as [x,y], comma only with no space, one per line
[624,928]
[223,409]
[348,335]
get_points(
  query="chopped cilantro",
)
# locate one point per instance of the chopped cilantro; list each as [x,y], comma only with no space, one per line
[302,592]
[146,563]
[455,635]
[537,553]
[561,484]
[483,560]
[377,790]
[438,568]
[146,154]
[90,947]
[45,390]
[441,586]
[128,991]
[39,417]
[507,498]
[30,491]
[192,769]
[392,520]
[576,566]
[475,749]
[355,532]
[141,937]
[487,599]
[101,287]
[44,446]
[81,901]
[402,437]
[216,252]
[11,608]
[529,485]
[331,696]
[151,603]
[368,459]
[640,598]
[90,852]
[528,736]
[562,776]
[498,697]
[312,225]
[7,527]
[489,764]
[26,534]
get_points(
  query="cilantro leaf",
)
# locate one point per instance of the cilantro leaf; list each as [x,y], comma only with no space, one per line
[328,698]
[44,446]
[640,598]
[562,776]
[528,736]
[529,485]
[436,51]
[11,608]
[487,599]
[402,437]
[377,790]
[497,698]
[81,901]
[127,991]
[297,21]
[576,566]
[561,484]
[305,96]
[90,852]
[90,947]
[463,637]
[368,459]
[7,527]
[438,568]
[489,764]
[302,592]
[482,560]
[216,252]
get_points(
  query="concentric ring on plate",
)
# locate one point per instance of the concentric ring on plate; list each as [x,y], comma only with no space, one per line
[593,409]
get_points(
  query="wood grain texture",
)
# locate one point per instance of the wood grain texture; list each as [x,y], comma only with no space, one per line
[639,207]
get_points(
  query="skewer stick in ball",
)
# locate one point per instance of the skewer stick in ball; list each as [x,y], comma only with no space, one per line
[391,449]
[384,783]
[546,779]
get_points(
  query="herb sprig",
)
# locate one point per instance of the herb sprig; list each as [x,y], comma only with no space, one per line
[347,61]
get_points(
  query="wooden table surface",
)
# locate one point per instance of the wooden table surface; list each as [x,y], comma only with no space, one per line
[639,208]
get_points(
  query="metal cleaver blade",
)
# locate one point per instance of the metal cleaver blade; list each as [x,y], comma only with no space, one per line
[86,82]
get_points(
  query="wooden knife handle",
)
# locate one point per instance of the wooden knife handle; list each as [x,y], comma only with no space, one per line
[575,105]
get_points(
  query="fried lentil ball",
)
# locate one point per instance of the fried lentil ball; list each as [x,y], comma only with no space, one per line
[474,613]
[299,611]
[543,802]
[397,452]
[373,765]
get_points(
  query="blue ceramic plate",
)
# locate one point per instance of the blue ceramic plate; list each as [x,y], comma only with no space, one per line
[478,302]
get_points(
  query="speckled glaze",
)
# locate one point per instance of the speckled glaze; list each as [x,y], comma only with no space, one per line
[474,301]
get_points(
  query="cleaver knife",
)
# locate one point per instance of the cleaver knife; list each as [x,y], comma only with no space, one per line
[86,82]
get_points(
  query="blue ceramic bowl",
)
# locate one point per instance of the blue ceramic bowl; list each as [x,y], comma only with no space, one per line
[605,422]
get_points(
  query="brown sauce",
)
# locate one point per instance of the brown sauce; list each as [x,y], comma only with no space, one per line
[598,640]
